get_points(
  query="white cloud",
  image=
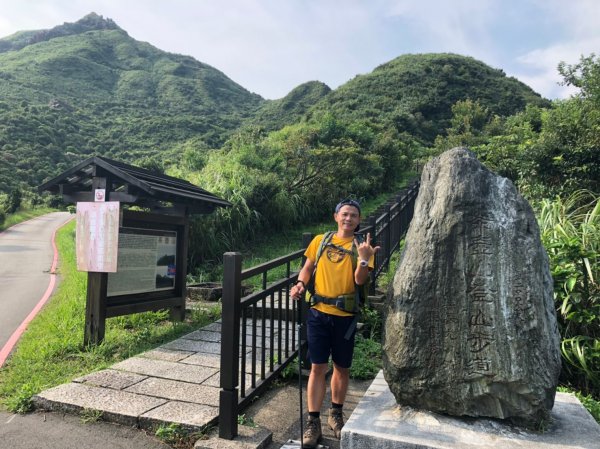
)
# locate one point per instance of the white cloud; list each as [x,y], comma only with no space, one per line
[539,67]
[578,26]
[460,26]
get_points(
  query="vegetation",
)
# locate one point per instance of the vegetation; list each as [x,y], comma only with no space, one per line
[414,94]
[179,437]
[296,175]
[571,234]
[18,206]
[290,109]
[545,151]
[6,221]
[88,88]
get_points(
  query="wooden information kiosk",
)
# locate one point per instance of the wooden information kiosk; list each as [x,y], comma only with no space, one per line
[136,260]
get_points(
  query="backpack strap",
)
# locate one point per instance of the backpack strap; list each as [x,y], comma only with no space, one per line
[327,238]
[357,288]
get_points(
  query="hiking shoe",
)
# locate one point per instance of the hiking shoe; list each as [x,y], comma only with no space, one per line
[312,433]
[336,421]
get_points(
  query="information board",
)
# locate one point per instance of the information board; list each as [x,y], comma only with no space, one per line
[146,262]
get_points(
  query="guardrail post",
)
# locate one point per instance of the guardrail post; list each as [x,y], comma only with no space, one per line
[388,236]
[374,240]
[230,345]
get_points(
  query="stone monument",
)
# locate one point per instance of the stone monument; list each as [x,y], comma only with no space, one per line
[470,328]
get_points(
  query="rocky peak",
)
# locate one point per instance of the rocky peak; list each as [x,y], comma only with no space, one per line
[93,21]
[90,22]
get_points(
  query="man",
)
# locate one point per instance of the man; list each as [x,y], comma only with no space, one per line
[330,326]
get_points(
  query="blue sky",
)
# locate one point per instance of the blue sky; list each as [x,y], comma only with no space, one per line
[271,46]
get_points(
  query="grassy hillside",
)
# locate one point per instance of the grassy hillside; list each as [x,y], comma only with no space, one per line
[98,91]
[415,93]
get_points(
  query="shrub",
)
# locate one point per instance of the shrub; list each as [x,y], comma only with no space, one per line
[570,230]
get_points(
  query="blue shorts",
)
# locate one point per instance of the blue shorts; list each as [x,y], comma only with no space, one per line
[325,335]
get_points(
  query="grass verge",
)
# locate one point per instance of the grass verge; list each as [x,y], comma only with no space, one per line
[23,215]
[51,351]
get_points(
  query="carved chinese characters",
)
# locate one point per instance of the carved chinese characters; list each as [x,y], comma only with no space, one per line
[481,292]
[470,328]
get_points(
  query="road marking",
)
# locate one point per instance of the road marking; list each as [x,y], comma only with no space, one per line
[14,338]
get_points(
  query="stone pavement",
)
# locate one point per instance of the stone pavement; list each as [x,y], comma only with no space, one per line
[177,382]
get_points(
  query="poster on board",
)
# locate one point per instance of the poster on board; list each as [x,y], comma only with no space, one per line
[97,236]
[147,262]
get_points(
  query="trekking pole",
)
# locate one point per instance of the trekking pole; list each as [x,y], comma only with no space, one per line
[300,370]
[293,444]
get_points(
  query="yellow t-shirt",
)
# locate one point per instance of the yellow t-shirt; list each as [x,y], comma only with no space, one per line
[334,276]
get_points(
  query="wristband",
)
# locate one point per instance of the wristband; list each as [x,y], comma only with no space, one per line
[301,282]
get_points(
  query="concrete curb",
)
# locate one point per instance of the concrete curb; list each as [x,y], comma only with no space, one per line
[248,438]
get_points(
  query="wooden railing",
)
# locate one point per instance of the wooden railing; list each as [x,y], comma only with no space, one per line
[259,331]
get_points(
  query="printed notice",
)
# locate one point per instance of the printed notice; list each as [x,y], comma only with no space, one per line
[97,236]
[146,262]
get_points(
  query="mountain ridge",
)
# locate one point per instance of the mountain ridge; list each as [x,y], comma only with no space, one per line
[88,88]
[416,92]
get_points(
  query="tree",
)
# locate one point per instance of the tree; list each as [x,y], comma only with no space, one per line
[467,125]
[585,75]
[569,151]
[14,201]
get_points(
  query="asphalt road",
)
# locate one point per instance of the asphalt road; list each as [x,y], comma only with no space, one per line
[59,431]
[26,256]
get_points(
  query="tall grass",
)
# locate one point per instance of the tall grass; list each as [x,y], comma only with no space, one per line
[571,234]
[51,351]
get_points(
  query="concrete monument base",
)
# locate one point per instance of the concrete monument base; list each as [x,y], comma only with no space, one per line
[378,422]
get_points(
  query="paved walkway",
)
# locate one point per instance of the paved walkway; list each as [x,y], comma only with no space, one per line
[177,382]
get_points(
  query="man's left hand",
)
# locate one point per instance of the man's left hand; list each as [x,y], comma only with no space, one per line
[365,250]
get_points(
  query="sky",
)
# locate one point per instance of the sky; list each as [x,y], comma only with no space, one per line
[271,46]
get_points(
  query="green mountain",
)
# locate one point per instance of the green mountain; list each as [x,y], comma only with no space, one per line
[415,93]
[275,114]
[88,88]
